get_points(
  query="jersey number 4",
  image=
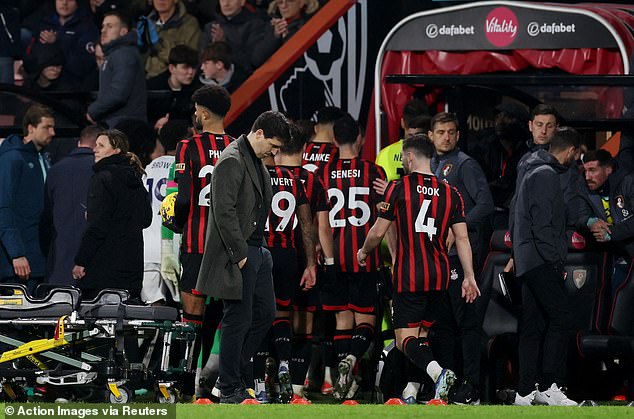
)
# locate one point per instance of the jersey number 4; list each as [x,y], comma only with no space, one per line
[424,224]
[353,204]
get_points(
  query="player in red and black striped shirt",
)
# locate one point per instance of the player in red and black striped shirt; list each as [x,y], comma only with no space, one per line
[354,296]
[195,160]
[424,209]
[322,149]
[305,302]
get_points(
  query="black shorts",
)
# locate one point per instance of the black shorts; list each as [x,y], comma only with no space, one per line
[416,309]
[358,292]
[285,276]
[191,266]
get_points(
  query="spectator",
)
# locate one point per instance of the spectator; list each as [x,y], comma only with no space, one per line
[174,26]
[180,82]
[287,17]
[242,29]
[122,91]
[500,150]
[100,7]
[23,170]
[218,67]
[118,209]
[66,194]
[70,26]
[10,47]
[45,66]
[539,251]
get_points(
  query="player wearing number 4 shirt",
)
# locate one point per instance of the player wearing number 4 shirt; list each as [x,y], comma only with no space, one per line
[421,271]
[195,161]
[354,297]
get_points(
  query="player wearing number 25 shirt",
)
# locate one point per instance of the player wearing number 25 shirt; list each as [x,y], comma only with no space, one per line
[353,200]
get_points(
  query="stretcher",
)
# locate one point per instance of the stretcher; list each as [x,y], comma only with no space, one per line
[59,341]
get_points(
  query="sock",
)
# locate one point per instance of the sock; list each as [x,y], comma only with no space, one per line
[189,383]
[361,339]
[434,370]
[300,358]
[282,334]
[330,358]
[259,359]
[327,375]
[341,343]
[417,349]
[411,390]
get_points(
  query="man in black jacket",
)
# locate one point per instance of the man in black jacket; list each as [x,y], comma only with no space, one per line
[122,92]
[540,249]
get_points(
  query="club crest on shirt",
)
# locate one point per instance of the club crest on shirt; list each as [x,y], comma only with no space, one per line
[446,169]
[620,202]
[579,277]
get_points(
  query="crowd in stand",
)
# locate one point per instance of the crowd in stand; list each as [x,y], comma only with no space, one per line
[106,230]
[125,48]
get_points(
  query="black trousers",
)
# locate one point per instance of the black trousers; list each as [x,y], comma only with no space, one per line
[246,322]
[545,329]
[467,326]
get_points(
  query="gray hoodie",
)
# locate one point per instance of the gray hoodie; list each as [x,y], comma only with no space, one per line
[539,219]
[122,92]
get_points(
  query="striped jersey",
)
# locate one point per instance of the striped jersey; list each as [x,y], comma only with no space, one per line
[424,209]
[315,192]
[288,194]
[195,160]
[353,201]
[318,154]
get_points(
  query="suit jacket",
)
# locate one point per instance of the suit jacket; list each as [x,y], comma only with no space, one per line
[236,197]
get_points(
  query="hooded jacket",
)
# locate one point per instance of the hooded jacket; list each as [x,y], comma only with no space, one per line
[539,217]
[118,209]
[122,91]
[77,39]
[21,206]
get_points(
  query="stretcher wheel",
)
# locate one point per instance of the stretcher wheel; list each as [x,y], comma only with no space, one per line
[124,397]
[173,397]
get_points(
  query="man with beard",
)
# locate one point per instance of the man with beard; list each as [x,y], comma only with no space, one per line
[540,250]
[195,161]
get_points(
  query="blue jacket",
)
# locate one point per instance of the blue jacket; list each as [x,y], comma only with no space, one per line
[66,195]
[21,206]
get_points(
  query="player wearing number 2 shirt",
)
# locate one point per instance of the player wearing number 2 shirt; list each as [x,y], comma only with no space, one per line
[348,181]
[195,160]
[424,210]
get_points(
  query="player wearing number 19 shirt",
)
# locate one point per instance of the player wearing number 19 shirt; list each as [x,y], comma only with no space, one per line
[353,201]
[195,161]
[424,209]
[288,200]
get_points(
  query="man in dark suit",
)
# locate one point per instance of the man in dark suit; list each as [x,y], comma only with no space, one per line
[65,203]
[236,267]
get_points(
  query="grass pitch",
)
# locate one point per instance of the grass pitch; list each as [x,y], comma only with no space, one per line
[398,412]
